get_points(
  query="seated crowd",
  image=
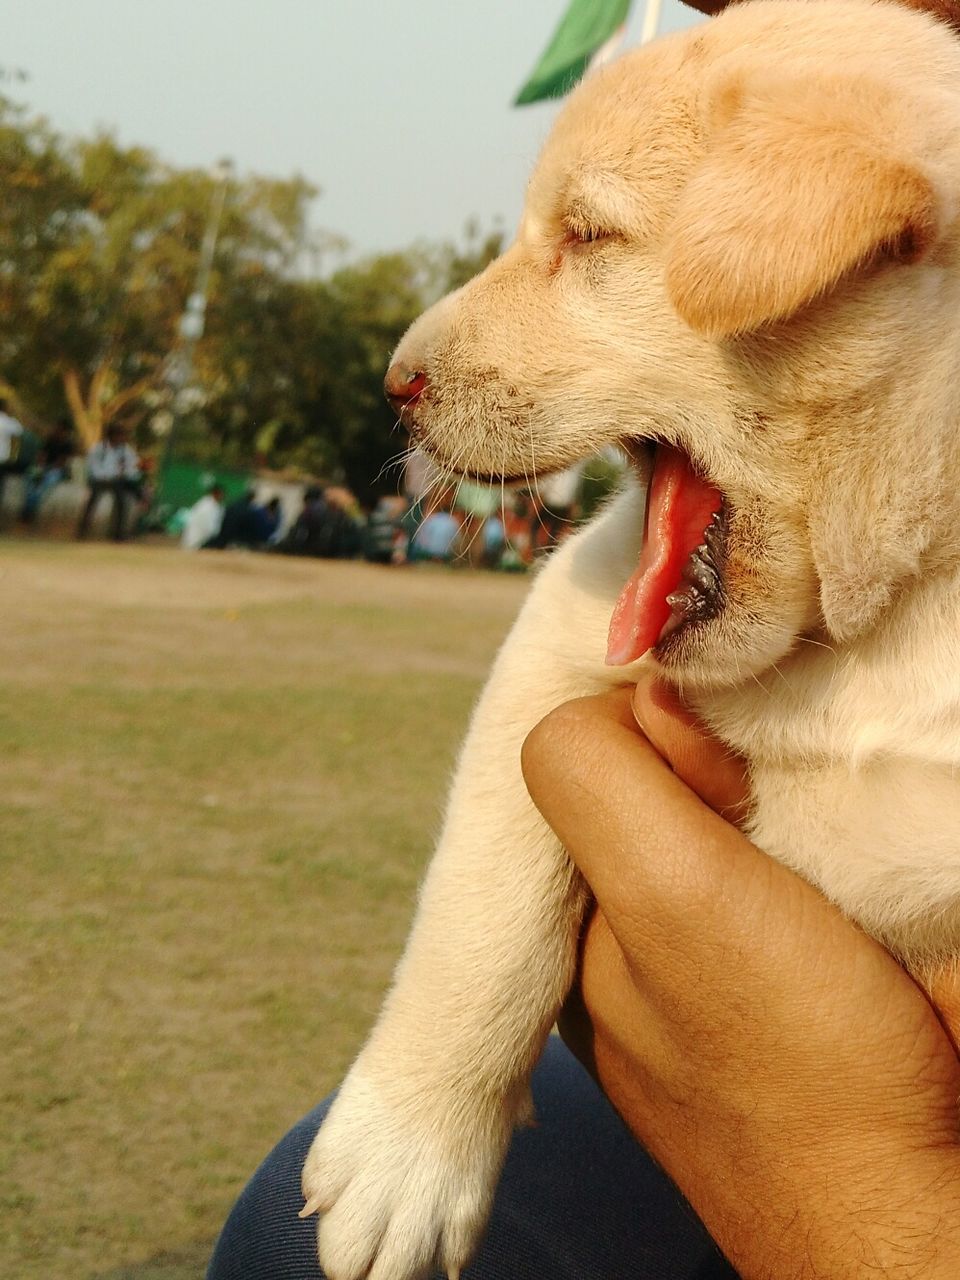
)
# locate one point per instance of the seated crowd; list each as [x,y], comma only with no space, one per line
[493,530]
[466,524]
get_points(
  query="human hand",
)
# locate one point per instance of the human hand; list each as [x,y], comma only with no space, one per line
[784,1070]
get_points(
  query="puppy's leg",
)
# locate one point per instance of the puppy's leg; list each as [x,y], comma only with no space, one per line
[405,1165]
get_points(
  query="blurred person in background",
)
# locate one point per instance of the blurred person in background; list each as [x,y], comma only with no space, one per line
[476,503]
[557,498]
[346,524]
[386,541]
[11,429]
[436,538]
[265,522]
[203,520]
[113,467]
[11,437]
[53,467]
[494,541]
[331,525]
[306,531]
[234,528]
[518,529]
[247,523]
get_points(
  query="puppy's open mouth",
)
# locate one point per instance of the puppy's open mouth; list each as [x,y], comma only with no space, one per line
[678,581]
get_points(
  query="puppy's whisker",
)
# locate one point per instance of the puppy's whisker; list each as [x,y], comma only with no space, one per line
[433,494]
[529,488]
[775,668]
[503,490]
[480,522]
[819,644]
[535,489]
[459,471]
[395,463]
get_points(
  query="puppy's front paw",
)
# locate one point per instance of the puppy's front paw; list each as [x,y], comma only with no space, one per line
[404,1188]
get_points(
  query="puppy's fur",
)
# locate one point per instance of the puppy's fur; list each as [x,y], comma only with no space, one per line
[742,241]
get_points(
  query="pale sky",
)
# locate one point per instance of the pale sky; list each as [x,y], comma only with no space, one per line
[398,109]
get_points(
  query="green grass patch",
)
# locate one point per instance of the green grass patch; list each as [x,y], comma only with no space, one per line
[222,779]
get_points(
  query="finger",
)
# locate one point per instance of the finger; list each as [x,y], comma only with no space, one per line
[574,1021]
[704,763]
[662,866]
[605,1006]
[942,985]
[714,933]
[617,805]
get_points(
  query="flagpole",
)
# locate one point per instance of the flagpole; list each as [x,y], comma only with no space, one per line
[651,21]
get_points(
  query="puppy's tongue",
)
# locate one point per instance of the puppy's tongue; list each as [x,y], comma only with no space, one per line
[679,507]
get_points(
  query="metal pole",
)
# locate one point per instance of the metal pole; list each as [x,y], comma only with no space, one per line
[193,320]
[651,21]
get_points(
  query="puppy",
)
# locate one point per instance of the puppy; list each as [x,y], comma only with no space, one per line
[740,259]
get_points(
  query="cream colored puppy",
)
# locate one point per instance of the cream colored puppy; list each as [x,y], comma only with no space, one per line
[740,244]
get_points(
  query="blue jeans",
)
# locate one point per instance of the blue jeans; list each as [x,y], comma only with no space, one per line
[578,1200]
[38,485]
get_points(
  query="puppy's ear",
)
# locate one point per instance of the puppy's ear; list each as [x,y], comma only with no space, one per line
[869,525]
[801,183]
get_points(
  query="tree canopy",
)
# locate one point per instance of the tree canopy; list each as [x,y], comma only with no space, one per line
[99,251]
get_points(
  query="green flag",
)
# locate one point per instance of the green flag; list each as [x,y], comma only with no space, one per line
[584,29]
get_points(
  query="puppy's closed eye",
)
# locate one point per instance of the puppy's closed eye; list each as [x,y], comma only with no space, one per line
[579,239]
[581,235]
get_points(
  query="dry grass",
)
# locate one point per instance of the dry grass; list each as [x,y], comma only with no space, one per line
[221,778]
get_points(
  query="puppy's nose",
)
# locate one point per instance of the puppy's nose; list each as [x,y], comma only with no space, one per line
[403,385]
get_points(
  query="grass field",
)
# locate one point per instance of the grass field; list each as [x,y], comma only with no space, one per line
[221,777]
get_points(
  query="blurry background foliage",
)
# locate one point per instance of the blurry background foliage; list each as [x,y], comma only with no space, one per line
[99,245]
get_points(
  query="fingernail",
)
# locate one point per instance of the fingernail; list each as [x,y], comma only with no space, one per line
[640,702]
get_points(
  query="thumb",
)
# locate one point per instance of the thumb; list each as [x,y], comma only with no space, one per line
[703,762]
[942,985]
[655,857]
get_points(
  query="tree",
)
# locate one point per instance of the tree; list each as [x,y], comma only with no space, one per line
[40,214]
[300,365]
[135,266]
[99,248]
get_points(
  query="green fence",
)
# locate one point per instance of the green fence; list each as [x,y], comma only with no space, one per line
[183,483]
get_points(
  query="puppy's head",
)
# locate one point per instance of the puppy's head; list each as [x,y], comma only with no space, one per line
[739,259]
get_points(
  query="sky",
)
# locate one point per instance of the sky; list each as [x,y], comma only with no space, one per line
[398,110]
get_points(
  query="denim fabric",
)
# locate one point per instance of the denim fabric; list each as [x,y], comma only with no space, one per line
[578,1200]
